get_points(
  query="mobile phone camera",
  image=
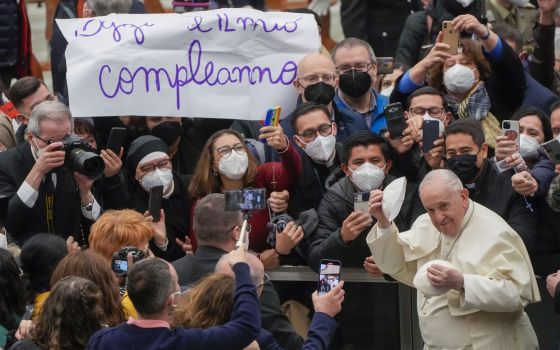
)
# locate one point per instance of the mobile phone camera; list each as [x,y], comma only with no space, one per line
[506,125]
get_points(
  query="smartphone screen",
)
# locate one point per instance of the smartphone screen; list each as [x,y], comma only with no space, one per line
[116,139]
[246,199]
[361,202]
[430,133]
[395,120]
[552,149]
[154,204]
[385,65]
[329,275]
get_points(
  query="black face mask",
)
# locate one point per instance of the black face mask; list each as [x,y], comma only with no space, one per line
[169,132]
[320,92]
[464,166]
[354,83]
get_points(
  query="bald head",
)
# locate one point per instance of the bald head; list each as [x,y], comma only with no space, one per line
[315,62]
[255,265]
[312,69]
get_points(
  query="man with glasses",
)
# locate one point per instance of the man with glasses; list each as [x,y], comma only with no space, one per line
[315,134]
[148,165]
[426,103]
[317,81]
[341,235]
[356,67]
[36,194]
[218,237]
[25,94]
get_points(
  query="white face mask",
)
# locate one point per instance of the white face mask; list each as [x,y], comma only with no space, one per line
[459,79]
[387,91]
[38,150]
[159,177]
[528,146]
[321,149]
[440,123]
[465,3]
[520,3]
[234,166]
[367,177]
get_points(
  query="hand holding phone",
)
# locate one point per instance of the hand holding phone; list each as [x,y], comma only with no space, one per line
[361,202]
[450,37]
[552,149]
[116,139]
[510,129]
[246,199]
[396,124]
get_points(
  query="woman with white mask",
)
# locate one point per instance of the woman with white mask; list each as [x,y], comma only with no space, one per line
[226,164]
[535,170]
[484,80]
[149,165]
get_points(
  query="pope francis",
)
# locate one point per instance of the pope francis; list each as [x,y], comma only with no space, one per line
[475,300]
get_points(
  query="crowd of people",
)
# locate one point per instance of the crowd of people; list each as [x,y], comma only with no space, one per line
[91,256]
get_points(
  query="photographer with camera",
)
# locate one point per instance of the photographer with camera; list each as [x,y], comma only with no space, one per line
[45,184]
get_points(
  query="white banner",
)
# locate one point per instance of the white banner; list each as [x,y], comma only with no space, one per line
[231,63]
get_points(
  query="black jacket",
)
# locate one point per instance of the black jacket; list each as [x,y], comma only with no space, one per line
[494,191]
[193,267]
[21,221]
[335,207]
[177,210]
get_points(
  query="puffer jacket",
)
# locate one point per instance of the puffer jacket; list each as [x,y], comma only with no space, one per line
[335,207]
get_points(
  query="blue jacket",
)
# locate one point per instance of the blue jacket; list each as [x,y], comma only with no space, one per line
[537,95]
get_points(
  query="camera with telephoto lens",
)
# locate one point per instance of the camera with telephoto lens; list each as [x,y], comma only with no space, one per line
[119,263]
[81,158]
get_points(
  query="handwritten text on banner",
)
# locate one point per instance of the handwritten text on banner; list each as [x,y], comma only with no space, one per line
[233,63]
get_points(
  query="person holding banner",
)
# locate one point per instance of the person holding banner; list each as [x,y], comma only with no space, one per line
[225,165]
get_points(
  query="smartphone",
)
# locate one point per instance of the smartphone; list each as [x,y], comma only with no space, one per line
[510,128]
[154,203]
[116,139]
[120,267]
[272,116]
[246,199]
[385,65]
[430,133]
[361,202]
[450,37]
[552,149]
[329,275]
[395,120]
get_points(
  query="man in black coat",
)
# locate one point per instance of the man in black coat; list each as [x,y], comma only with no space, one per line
[36,194]
[216,238]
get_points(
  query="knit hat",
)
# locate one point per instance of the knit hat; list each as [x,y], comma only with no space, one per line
[141,147]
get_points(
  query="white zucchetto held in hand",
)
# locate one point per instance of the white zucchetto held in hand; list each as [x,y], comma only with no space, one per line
[422,283]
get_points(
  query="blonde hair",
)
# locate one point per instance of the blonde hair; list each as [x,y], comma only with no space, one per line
[119,228]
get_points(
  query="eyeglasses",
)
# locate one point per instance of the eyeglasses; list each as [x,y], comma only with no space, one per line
[359,67]
[151,168]
[434,112]
[247,228]
[266,279]
[49,141]
[225,151]
[314,79]
[323,130]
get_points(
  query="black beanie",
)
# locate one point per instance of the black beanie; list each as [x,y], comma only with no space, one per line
[141,147]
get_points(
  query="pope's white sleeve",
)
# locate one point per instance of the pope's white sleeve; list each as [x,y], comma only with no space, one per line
[489,294]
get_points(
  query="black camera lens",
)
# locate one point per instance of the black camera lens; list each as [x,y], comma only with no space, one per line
[87,163]
[506,125]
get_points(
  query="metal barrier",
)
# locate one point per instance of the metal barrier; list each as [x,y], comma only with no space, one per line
[409,332]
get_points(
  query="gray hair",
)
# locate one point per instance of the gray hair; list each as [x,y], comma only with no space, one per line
[105,7]
[212,222]
[350,43]
[149,284]
[255,267]
[443,177]
[48,110]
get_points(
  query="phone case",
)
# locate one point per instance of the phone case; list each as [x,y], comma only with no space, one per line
[552,149]
[430,133]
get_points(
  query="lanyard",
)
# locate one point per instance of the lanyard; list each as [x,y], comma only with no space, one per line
[49,206]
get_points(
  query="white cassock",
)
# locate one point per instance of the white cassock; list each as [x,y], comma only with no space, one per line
[498,281]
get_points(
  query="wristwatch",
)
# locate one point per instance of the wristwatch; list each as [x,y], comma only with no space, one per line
[88,207]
